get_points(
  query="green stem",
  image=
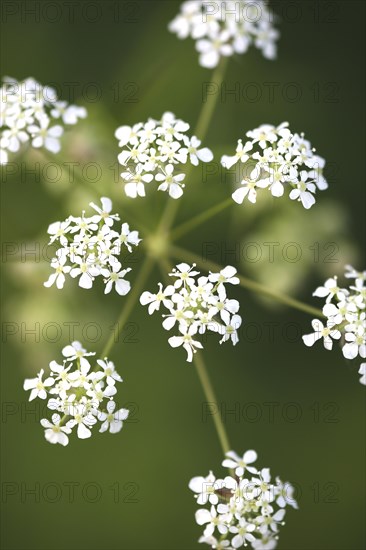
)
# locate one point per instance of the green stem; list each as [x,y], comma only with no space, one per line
[200,131]
[211,398]
[185,255]
[199,219]
[204,378]
[129,304]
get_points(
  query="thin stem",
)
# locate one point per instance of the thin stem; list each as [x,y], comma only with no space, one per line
[203,377]
[129,304]
[199,219]
[200,131]
[185,255]
[206,114]
[211,398]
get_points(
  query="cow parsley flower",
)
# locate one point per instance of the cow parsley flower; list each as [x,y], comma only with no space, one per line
[196,304]
[155,151]
[91,247]
[277,160]
[79,393]
[31,113]
[345,310]
[241,508]
[222,29]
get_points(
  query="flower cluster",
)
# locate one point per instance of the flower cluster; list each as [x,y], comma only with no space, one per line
[226,28]
[345,311]
[243,507]
[89,248]
[196,304]
[28,112]
[78,396]
[274,158]
[153,151]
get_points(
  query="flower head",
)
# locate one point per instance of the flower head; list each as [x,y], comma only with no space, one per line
[222,29]
[242,509]
[79,394]
[276,159]
[156,151]
[196,304]
[29,112]
[91,248]
[344,309]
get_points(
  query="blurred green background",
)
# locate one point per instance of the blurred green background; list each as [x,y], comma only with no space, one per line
[138,478]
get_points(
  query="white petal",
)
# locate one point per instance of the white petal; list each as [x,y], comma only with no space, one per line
[83,431]
[250,456]
[240,194]
[123,287]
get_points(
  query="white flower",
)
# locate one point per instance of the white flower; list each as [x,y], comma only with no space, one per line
[226,276]
[154,300]
[346,316]
[58,264]
[37,386]
[285,494]
[230,329]
[243,532]
[58,231]
[211,49]
[109,371]
[195,154]
[321,331]
[267,542]
[204,487]
[54,433]
[75,351]
[241,154]
[83,422]
[79,395]
[116,278]
[155,151]
[92,247]
[27,114]
[249,190]
[303,191]
[187,341]
[351,273]
[185,274]
[112,420]
[169,182]
[13,139]
[136,180]
[276,160]
[356,344]
[241,464]
[104,212]
[196,304]
[128,237]
[211,518]
[85,271]
[127,135]
[241,510]
[43,136]
[69,113]
[329,290]
[220,29]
